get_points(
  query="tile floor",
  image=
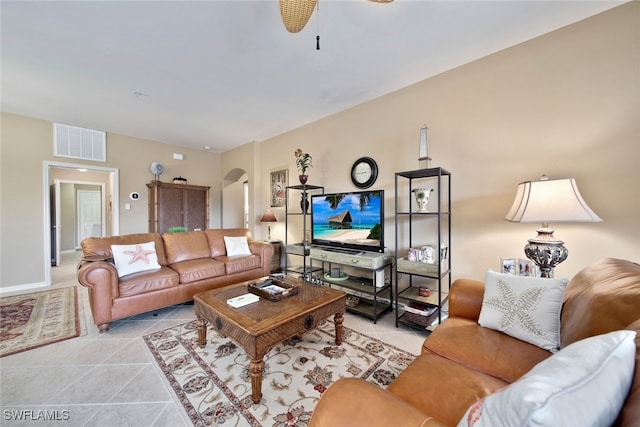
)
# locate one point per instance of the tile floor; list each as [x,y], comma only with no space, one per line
[110,379]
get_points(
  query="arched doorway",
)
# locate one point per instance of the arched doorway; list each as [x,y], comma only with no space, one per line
[235,199]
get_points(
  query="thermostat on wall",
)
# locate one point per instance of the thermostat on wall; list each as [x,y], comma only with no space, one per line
[134,196]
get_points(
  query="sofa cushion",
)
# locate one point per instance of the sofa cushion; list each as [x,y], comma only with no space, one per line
[566,389]
[101,246]
[198,269]
[482,349]
[186,246]
[136,258]
[236,246]
[527,308]
[149,281]
[441,388]
[607,283]
[237,264]
[630,413]
[216,239]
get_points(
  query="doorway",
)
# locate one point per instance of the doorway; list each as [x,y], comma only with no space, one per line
[235,199]
[77,211]
[90,207]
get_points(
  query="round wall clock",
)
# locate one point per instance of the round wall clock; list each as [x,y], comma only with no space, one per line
[364,172]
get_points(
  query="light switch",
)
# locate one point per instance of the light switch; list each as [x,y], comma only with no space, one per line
[127,206]
[177,156]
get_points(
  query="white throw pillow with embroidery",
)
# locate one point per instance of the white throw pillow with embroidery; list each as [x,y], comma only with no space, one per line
[136,258]
[527,308]
[237,246]
[585,384]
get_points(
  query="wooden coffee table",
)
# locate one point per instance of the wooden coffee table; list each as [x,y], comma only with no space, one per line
[259,326]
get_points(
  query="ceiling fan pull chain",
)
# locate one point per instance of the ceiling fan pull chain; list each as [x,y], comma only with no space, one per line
[318,18]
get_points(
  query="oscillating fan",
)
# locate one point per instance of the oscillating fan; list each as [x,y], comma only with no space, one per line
[157,169]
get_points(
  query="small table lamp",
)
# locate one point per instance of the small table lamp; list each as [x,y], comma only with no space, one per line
[544,201]
[268,217]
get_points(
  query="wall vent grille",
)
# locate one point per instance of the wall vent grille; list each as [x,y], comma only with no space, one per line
[79,143]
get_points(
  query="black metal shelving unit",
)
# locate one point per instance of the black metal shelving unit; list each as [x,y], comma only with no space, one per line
[415,228]
[298,248]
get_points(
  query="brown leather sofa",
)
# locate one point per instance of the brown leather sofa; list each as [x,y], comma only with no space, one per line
[190,262]
[462,362]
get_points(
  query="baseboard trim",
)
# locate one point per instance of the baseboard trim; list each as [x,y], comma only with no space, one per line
[23,288]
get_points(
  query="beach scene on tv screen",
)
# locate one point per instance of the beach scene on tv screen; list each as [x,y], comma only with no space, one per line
[348,218]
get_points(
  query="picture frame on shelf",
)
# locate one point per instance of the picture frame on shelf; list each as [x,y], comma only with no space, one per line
[509,266]
[279,182]
[526,268]
[519,267]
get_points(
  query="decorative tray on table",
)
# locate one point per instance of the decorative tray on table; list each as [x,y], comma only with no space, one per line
[272,289]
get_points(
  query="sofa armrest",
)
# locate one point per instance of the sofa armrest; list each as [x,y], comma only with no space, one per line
[355,402]
[101,277]
[94,258]
[465,298]
[262,249]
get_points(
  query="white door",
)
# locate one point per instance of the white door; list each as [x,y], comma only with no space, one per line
[89,214]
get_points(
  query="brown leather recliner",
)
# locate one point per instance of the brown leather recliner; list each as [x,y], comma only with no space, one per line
[462,362]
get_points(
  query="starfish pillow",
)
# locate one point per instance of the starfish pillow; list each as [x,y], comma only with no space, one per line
[136,258]
[527,308]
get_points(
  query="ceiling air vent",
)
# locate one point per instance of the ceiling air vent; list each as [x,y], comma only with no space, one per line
[79,143]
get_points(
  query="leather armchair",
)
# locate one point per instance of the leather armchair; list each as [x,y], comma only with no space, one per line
[461,362]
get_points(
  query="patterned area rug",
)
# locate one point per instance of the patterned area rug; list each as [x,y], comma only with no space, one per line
[32,320]
[214,383]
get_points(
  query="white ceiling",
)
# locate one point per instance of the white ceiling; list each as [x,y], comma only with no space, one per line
[224,73]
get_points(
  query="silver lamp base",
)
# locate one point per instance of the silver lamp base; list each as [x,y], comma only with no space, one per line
[546,251]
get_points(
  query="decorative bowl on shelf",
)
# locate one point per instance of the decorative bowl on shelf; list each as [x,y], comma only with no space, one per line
[424,292]
[343,276]
[352,301]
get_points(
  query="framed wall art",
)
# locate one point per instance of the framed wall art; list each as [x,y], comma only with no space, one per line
[279,182]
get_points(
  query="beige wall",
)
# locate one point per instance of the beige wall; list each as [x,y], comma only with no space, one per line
[564,104]
[26,143]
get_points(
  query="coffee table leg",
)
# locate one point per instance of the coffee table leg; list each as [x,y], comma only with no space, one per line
[201,324]
[255,368]
[337,320]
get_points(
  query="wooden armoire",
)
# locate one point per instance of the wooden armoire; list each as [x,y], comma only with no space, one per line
[177,205]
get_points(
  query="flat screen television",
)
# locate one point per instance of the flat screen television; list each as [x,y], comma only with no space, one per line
[352,220]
